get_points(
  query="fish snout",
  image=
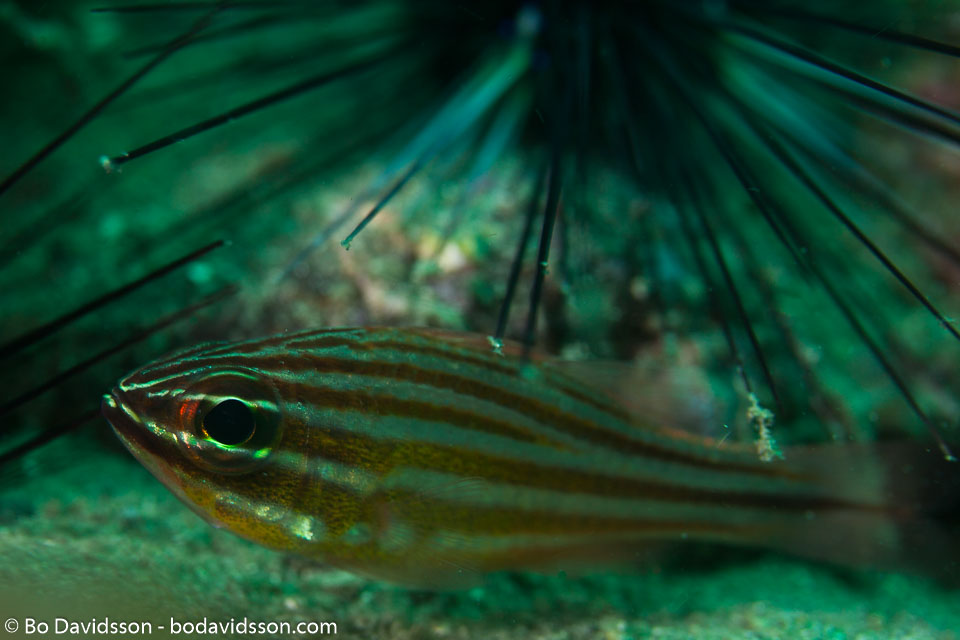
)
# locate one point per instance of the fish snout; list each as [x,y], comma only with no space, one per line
[116,411]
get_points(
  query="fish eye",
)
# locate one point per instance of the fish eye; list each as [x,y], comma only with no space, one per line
[229,420]
[230,423]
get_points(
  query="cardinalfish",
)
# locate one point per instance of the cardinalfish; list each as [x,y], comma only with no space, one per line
[425,457]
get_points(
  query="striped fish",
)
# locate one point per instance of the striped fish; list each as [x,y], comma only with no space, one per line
[427,457]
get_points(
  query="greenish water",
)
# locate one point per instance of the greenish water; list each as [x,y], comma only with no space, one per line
[86,532]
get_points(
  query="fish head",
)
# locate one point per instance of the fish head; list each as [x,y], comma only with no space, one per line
[215,435]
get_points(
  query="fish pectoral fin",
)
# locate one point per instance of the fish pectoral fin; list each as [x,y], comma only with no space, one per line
[460,490]
[414,543]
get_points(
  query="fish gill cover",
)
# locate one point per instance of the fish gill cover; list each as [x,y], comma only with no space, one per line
[751,200]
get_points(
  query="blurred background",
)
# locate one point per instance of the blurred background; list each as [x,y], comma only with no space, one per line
[750,201]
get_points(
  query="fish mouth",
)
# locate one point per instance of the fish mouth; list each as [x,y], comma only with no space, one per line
[115,411]
[158,457]
[125,423]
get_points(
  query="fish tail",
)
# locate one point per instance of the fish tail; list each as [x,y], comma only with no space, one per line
[924,489]
[896,507]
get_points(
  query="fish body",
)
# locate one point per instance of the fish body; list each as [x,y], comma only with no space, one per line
[428,457]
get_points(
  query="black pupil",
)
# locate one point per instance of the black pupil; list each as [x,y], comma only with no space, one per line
[230,422]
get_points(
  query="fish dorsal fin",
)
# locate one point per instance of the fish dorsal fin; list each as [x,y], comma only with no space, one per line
[675,398]
[662,397]
[480,343]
